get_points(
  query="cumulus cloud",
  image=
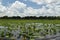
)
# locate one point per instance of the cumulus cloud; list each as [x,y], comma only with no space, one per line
[18,8]
[2,10]
[42,1]
[52,5]
[37,1]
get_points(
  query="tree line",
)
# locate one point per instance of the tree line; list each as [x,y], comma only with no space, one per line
[31,17]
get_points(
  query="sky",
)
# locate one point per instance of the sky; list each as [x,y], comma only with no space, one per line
[29,8]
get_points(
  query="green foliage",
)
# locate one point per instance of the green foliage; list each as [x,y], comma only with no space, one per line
[30,30]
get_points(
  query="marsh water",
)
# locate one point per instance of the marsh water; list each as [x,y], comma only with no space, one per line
[32,31]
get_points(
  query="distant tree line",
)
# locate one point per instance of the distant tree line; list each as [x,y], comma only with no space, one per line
[31,17]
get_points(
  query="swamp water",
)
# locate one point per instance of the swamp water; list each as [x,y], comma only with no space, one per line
[31,31]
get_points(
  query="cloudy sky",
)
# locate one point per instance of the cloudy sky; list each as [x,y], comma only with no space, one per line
[29,8]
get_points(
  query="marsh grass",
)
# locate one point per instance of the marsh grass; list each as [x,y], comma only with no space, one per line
[28,29]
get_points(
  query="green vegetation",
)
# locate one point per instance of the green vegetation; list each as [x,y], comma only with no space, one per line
[29,29]
[18,21]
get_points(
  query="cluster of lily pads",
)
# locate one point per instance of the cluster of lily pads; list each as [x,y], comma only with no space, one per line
[28,30]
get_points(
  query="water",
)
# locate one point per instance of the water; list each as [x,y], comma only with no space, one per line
[37,31]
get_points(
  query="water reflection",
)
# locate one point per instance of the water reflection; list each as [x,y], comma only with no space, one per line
[37,31]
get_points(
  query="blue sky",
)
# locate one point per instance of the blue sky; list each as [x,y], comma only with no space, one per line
[30,7]
[28,3]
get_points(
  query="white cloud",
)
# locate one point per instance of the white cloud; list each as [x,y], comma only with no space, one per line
[37,1]
[15,8]
[41,1]
[21,9]
[2,10]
